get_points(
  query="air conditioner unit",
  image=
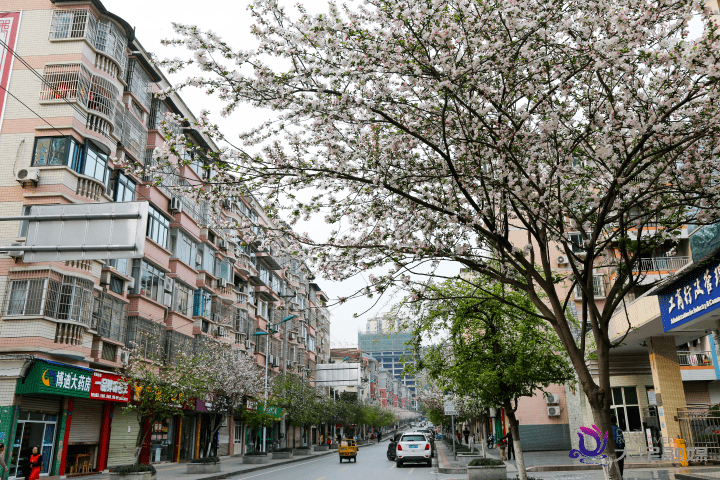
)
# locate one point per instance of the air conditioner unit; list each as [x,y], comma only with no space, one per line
[291,336]
[226,203]
[198,260]
[248,344]
[222,244]
[175,205]
[221,332]
[169,284]
[275,362]
[222,283]
[553,411]
[167,299]
[552,399]
[269,359]
[216,317]
[105,277]
[562,260]
[28,175]
[124,357]
[131,283]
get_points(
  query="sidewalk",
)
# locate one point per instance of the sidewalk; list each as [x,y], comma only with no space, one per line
[559,461]
[229,467]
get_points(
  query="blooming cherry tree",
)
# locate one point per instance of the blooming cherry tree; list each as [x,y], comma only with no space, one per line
[481,133]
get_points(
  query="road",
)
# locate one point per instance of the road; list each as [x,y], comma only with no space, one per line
[371,464]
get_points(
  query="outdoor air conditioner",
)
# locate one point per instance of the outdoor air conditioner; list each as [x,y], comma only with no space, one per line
[175,205]
[552,399]
[169,284]
[553,411]
[248,344]
[124,357]
[562,259]
[275,362]
[222,283]
[28,175]
[222,245]
[291,336]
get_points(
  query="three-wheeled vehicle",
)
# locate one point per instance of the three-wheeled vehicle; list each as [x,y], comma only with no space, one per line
[348,449]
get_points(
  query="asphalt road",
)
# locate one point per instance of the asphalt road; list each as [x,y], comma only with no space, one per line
[371,464]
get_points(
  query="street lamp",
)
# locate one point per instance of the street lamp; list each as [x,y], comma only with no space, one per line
[267,334]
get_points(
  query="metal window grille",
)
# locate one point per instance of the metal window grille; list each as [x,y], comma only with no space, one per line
[223,313]
[112,317]
[111,41]
[66,81]
[177,343]
[201,342]
[134,136]
[47,293]
[119,118]
[146,335]
[158,109]
[75,23]
[109,352]
[138,82]
[103,96]
[135,108]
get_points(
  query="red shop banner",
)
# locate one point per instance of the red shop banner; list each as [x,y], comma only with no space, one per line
[109,387]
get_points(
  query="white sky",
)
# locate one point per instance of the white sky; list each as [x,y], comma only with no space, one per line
[230,19]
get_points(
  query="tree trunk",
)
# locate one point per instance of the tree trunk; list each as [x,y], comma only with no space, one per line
[515,429]
[483,440]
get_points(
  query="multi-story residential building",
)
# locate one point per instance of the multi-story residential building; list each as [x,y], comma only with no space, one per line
[80,106]
[387,341]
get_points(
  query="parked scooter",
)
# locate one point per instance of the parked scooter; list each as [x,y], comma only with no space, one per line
[491,441]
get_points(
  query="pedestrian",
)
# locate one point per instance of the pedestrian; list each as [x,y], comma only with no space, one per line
[466,434]
[339,438]
[510,446]
[36,464]
[619,441]
[379,436]
[459,436]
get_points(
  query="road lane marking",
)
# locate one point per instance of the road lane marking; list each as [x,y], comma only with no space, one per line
[411,470]
[343,469]
[278,469]
[321,478]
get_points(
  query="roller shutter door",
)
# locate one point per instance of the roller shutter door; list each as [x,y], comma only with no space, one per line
[123,435]
[86,422]
[46,404]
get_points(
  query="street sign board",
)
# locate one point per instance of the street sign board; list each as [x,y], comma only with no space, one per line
[450,408]
[86,231]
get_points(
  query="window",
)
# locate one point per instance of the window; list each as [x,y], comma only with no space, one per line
[96,164]
[121,265]
[116,284]
[66,81]
[138,82]
[576,243]
[103,96]
[183,299]
[238,433]
[202,303]
[27,297]
[158,111]
[76,300]
[626,408]
[24,224]
[111,41]
[149,280]
[57,151]
[158,227]
[73,24]
[183,247]
[598,287]
[109,352]
[133,136]
[111,318]
[208,258]
[124,188]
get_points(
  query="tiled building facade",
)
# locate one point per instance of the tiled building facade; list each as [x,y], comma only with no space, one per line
[79,106]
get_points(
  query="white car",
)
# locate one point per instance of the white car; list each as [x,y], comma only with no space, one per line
[413,447]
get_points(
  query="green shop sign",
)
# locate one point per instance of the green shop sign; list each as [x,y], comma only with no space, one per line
[56,379]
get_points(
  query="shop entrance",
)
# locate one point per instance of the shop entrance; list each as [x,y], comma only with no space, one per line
[33,430]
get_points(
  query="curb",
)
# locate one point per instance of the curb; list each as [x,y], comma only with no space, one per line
[265,466]
[575,468]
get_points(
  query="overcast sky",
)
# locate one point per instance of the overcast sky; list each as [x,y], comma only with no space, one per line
[230,19]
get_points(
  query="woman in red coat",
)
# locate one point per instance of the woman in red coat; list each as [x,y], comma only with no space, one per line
[35,464]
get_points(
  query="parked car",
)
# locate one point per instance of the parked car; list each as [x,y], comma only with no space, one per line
[431,436]
[413,448]
[392,446]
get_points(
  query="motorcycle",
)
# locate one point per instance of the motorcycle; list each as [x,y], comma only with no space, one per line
[491,441]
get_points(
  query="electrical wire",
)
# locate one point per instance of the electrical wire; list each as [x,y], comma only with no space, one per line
[42,79]
[33,111]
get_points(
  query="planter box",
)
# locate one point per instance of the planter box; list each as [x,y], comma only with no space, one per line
[301,451]
[255,459]
[465,458]
[321,448]
[281,455]
[133,476]
[203,467]
[333,446]
[487,473]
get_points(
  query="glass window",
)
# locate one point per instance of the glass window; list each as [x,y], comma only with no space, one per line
[57,151]
[77,23]
[96,163]
[26,297]
[121,265]
[576,243]
[202,303]
[138,82]
[158,227]
[208,258]
[183,299]
[626,409]
[24,224]
[124,188]
[149,280]
[183,247]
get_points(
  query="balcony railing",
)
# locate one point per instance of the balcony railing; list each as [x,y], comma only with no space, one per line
[695,359]
[663,264]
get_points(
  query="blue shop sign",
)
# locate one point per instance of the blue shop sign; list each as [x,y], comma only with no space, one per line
[691,297]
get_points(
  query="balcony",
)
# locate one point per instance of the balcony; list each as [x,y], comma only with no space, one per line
[695,359]
[90,188]
[663,264]
[696,366]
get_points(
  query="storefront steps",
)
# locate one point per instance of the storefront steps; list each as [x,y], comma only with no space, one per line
[230,467]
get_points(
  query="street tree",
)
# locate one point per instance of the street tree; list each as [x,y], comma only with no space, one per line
[497,349]
[477,132]
[300,402]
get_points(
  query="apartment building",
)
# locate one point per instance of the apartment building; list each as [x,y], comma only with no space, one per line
[79,105]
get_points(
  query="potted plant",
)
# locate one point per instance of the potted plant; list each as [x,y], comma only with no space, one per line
[256,458]
[204,465]
[468,456]
[282,454]
[301,451]
[486,469]
[133,472]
